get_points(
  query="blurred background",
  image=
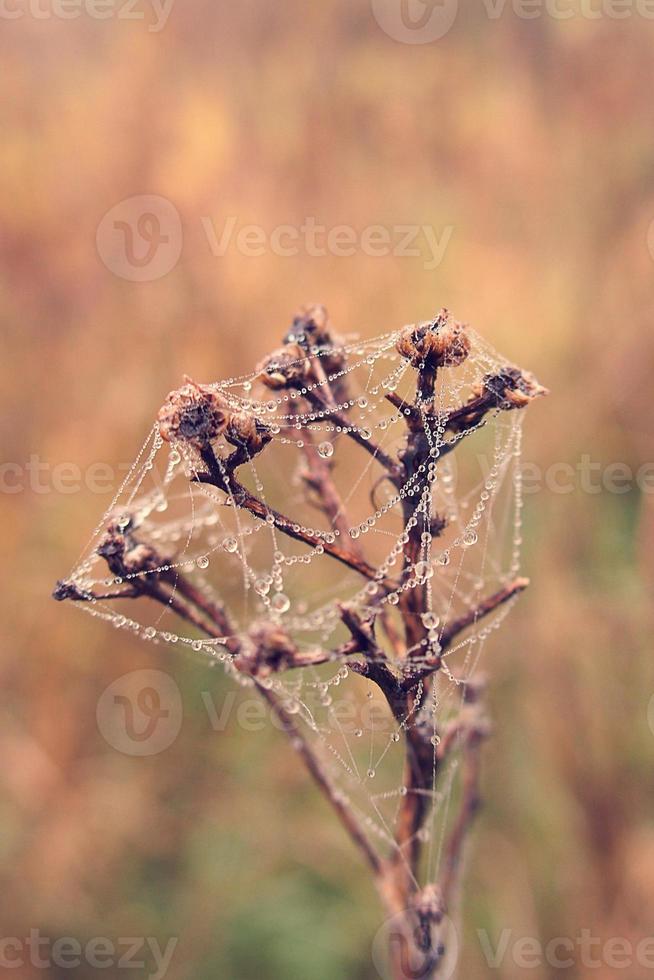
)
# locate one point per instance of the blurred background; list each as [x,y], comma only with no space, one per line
[523,144]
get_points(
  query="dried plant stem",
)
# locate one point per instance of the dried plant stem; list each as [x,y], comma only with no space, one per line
[404,674]
[250,502]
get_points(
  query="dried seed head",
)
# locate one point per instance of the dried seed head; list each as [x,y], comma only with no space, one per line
[428,904]
[311,324]
[287,367]
[270,650]
[247,431]
[193,413]
[64,589]
[511,388]
[312,329]
[442,342]
[124,556]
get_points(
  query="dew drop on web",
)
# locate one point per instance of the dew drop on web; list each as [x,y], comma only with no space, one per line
[280,603]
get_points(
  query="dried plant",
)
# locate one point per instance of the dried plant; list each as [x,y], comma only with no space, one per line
[397,614]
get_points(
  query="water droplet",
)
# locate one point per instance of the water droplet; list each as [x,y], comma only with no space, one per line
[469,538]
[280,602]
[393,598]
[197,645]
[362,402]
[423,569]
[371,774]
[365,433]
[430,620]
[262,586]
[202,562]
[325,449]
[354,532]
[149,633]
[230,544]
[358,733]
[123,521]
[395,737]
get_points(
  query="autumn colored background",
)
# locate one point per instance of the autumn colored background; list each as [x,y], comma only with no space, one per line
[532,140]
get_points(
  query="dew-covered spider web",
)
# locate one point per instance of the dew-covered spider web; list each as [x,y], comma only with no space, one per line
[267,504]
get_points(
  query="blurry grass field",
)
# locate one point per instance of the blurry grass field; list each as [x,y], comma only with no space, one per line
[532,140]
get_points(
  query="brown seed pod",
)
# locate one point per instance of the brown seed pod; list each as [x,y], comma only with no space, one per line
[511,388]
[287,367]
[193,413]
[442,342]
[247,431]
[125,557]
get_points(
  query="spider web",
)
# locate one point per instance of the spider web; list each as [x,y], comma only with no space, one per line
[246,563]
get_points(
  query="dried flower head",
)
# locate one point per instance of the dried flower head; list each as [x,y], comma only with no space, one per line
[194,413]
[428,904]
[311,324]
[438,343]
[270,650]
[312,329]
[124,556]
[287,367]
[248,432]
[511,388]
